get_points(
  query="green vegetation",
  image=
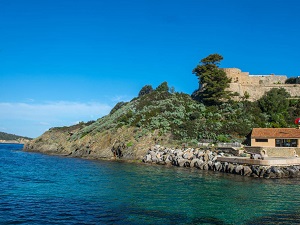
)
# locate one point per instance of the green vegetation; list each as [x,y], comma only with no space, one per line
[293,80]
[213,81]
[163,112]
[11,137]
[189,121]
[275,104]
[145,90]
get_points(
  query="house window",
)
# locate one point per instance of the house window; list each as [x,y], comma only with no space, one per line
[261,140]
[286,142]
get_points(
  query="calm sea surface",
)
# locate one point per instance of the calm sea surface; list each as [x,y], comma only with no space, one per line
[42,189]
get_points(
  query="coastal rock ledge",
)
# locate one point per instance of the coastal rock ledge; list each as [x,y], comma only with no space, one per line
[208,160]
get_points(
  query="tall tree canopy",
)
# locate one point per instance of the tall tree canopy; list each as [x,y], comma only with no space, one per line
[145,90]
[275,104]
[274,101]
[163,87]
[213,81]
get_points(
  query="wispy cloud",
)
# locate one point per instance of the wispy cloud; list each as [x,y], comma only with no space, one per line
[41,116]
[121,98]
[52,110]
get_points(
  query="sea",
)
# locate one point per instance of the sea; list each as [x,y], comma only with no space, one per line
[41,189]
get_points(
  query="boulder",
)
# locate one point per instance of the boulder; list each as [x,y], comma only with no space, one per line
[205,157]
[147,158]
[205,166]
[231,168]
[193,162]
[292,172]
[239,169]
[181,162]
[217,166]
[247,171]
[188,155]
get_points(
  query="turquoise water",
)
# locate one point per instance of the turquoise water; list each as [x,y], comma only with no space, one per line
[42,189]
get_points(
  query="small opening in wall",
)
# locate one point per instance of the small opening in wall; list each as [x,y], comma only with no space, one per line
[261,140]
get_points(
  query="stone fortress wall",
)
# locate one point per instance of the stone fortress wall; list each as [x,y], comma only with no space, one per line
[257,85]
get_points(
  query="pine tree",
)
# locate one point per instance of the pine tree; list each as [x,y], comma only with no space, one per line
[213,81]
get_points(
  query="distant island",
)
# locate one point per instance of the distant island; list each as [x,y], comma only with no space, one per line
[12,138]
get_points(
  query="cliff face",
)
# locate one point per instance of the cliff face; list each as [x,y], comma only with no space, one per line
[102,145]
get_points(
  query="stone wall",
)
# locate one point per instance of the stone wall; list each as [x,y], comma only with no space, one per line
[257,85]
[274,151]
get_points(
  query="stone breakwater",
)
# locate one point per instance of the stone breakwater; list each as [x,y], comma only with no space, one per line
[208,160]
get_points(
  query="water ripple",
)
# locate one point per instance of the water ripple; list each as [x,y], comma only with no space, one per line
[41,189]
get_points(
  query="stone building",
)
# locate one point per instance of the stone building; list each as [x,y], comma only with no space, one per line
[254,86]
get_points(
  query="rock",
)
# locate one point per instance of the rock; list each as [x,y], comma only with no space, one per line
[255,170]
[201,165]
[272,175]
[247,171]
[200,154]
[215,158]
[198,163]
[154,159]
[210,165]
[181,162]
[193,162]
[205,157]
[292,172]
[147,158]
[231,168]
[217,166]
[188,155]
[262,171]
[152,153]
[239,169]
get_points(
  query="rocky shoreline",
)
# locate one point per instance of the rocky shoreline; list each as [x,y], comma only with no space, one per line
[205,159]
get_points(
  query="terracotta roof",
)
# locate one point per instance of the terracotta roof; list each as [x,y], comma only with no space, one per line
[275,133]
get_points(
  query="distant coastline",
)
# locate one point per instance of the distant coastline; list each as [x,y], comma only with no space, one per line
[12,142]
[6,138]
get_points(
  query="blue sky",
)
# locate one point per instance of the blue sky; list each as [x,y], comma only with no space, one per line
[65,61]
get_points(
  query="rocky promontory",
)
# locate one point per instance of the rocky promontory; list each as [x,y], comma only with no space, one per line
[166,118]
[102,145]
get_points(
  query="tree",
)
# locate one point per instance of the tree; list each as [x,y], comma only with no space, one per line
[275,104]
[118,106]
[293,80]
[163,87]
[145,90]
[274,101]
[213,81]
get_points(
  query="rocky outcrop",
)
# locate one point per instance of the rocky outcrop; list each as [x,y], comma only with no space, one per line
[208,160]
[119,144]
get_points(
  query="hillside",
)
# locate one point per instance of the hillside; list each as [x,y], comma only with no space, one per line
[5,137]
[160,117]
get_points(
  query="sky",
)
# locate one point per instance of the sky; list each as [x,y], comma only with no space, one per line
[66,61]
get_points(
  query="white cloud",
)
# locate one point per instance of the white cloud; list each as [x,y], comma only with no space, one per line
[42,116]
[52,110]
[121,98]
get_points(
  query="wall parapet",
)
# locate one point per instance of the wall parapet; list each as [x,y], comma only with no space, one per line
[255,86]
